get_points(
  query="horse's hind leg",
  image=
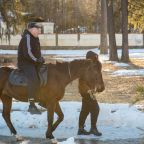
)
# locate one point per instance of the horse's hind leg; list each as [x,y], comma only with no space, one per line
[7,103]
[50,110]
[60,114]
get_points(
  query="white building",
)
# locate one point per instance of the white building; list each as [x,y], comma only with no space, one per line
[48,27]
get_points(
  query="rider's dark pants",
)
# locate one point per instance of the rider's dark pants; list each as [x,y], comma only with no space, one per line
[31,73]
[88,106]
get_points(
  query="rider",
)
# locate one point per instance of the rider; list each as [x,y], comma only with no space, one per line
[29,60]
[89,105]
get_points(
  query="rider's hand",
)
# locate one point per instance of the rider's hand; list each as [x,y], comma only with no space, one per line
[41,60]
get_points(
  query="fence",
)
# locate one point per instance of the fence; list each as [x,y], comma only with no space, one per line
[74,40]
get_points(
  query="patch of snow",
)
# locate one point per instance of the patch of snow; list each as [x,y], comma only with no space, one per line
[116,121]
[68,141]
[121,64]
[123,72]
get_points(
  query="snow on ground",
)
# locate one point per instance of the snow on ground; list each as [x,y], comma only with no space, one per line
[120,64]
[123,72]
[133,53]
[116,121]
[126,72]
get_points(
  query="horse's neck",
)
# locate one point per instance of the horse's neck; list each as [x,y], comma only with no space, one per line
[69,72]
[61,71]
[68,76]
[75,68]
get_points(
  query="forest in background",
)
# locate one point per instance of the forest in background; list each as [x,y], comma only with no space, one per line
[97,16]
[67,14]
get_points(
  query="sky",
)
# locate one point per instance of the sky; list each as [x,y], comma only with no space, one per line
[116,121]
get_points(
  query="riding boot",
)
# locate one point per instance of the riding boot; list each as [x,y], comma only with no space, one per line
[33,109]
[82,131]
[95,132]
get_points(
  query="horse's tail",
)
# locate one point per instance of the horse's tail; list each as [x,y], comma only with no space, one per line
[4,74]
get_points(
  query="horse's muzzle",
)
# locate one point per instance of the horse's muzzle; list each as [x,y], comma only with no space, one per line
[96,89]
[100,89]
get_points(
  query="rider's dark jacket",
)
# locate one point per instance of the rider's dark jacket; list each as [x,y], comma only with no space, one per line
[29,49]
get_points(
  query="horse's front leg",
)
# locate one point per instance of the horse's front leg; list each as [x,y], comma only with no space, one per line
[60,114]
[7,103]
[50,115]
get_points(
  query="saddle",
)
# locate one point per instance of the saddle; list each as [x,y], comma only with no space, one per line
[18,78]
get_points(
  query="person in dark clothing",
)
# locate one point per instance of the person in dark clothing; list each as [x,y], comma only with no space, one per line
[89,105]
[29,61]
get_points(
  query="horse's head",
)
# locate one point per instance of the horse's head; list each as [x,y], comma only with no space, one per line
[93,77]
[77,67]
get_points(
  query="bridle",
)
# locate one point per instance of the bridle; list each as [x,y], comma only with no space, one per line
[69,71]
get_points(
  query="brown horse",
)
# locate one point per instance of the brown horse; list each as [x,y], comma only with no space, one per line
[59,75]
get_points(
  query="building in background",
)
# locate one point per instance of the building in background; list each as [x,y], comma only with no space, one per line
[48,27]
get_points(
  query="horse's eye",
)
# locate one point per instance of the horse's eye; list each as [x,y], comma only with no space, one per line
[95,67]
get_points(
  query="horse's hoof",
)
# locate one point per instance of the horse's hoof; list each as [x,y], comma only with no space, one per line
[50,136]
[54,141]
[18,138]
[14,132]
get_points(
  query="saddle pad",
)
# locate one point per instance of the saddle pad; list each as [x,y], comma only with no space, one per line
[17,77]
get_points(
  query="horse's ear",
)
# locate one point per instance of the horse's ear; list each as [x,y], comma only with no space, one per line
[94,58]
[97,57]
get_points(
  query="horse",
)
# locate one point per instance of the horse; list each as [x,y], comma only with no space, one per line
[59,76]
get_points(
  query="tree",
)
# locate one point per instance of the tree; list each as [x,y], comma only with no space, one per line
[136,14]
[125,53]
[13,14]
[111,30]
[103,43]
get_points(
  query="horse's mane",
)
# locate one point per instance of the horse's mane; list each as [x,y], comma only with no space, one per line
[63,63]
[62,66]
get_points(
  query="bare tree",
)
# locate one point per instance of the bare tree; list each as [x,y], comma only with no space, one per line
[111,30]
[125,53]
[103,43]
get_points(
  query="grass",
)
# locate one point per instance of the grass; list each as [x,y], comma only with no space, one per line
[140,94]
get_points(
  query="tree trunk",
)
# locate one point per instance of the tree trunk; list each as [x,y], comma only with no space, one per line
[103,43]
[125,53]
[113,56]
